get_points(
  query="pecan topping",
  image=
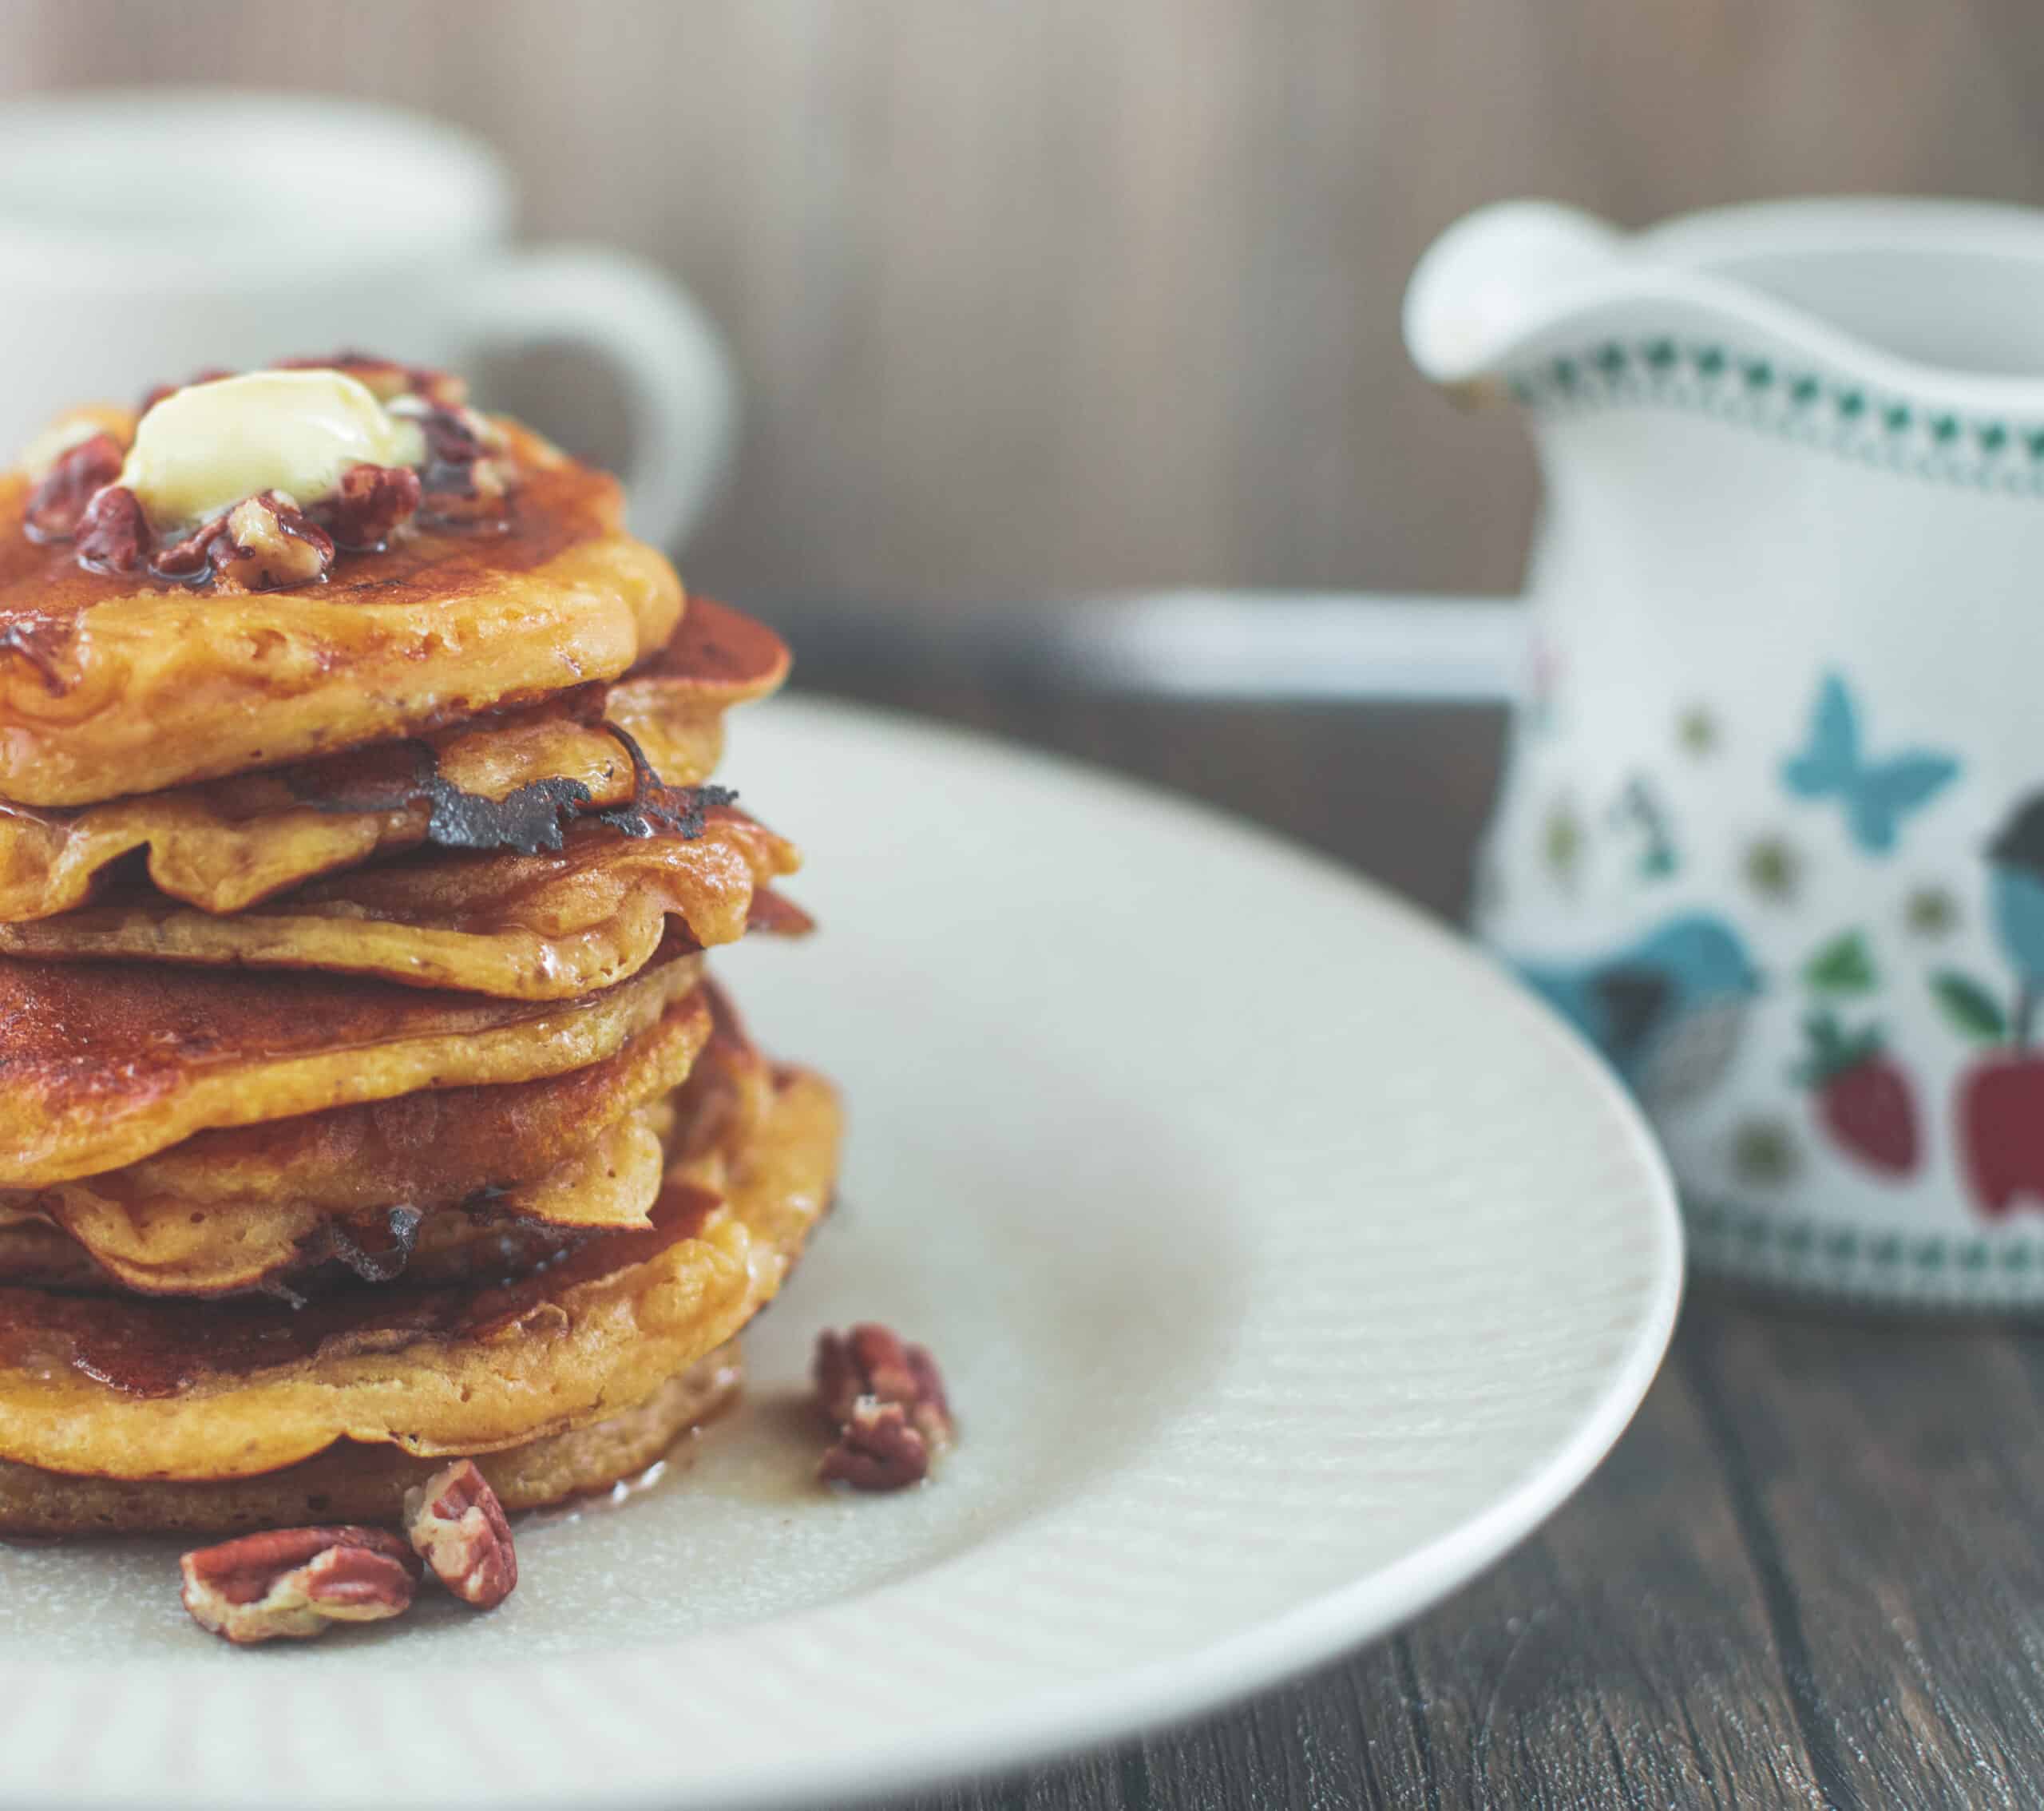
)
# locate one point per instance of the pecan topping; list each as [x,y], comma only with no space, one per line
[58,503]
[458,1526]
[887,1399]
[297,1583]
[264,543]
[372,500]
[463,479]
[267,541]
[113,532]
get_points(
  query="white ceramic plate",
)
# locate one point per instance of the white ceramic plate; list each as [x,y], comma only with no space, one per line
[1287,1265]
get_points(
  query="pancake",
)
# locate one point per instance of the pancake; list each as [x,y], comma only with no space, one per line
[428,1186]
[124,1388]
[113,683]
[224,845]
[434,1147]
[717,658]
[546,926]
[102,1064]
[354,1483]
[82,1237]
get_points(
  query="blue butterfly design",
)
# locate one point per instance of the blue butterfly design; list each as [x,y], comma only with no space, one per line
[1876,794]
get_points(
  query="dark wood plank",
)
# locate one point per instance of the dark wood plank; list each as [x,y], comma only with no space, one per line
[1895,1470]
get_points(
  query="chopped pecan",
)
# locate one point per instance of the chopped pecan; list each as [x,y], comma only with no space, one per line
[265,543]
[465,481]
[877,1448]
[297,1583]
[372,501]
[58,503]
[458,1526]
[112,531]
[872,1361]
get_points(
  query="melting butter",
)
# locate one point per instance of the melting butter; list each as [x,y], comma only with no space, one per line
[203,449]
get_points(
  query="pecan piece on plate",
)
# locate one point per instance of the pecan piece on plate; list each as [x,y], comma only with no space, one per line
[57,504]
[887,1399]
[298,1583]
[872,1360]
[458,1526]
[877,1448]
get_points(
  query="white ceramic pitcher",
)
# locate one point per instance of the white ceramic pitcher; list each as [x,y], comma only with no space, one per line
[1772,833]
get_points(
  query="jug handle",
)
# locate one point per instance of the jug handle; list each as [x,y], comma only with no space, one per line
[1345,646]
[1244,647]
[1499,276]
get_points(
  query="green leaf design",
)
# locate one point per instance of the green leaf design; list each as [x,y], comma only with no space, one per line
[1972,1010]
[1831,1050]
[1842,966]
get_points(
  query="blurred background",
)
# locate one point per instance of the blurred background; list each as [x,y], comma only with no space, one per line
[1042,301]
[1050,300]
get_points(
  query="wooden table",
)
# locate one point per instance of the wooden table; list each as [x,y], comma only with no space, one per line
[1812,1572]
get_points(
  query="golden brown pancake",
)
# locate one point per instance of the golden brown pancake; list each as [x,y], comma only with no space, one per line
[717,658]
[423,1186]
[83,1237]
[354,1483]
[550,926]
[124,1388]
[104,1063]
[113,685]
[227,844]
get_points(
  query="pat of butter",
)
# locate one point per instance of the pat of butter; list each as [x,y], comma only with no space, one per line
[203,449]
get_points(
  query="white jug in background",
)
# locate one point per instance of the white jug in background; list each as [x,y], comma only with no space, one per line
[1773,829]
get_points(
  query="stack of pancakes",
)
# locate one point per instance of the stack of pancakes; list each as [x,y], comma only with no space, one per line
[363,1100]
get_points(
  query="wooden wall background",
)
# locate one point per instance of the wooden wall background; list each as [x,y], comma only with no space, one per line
[1085,293]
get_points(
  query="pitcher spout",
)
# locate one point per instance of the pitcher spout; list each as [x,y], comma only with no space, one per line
[1910,314]
[1502,277]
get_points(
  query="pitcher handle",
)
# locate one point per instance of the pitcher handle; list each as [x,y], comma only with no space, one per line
[1342,647]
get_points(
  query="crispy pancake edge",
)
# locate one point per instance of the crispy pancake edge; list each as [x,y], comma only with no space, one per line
[587,1352]
[354,1483]
[76,1098]
[108,688]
